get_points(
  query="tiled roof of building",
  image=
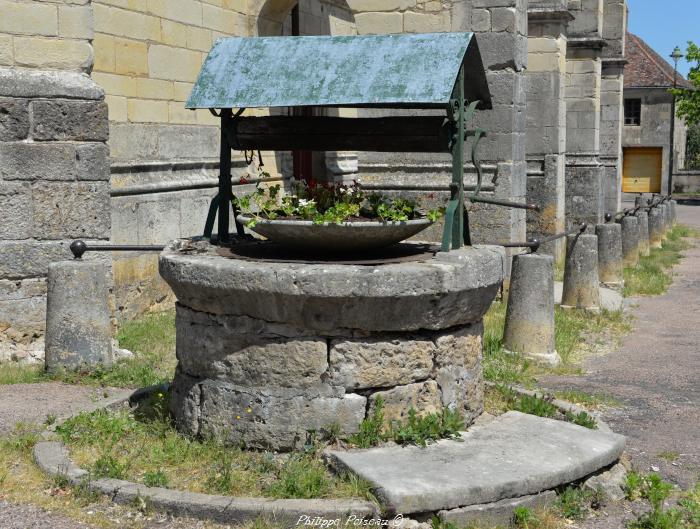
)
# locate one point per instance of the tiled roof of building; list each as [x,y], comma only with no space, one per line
[646,68]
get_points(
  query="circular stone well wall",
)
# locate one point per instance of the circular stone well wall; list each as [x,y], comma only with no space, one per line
[269,351]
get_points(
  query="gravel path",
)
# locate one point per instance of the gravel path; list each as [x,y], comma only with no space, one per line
[656,377]
[32,403]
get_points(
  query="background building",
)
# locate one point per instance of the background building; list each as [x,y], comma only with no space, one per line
[647,120]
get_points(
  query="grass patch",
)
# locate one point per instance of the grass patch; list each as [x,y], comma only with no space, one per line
[501,398]
[22,482]
[592,401]
[652,276]
[575,331]
[152,340]
[117,444]
[669,455]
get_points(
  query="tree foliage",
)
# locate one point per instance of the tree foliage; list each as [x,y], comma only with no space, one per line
[688,99]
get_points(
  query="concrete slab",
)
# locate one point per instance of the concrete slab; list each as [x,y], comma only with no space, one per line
[513,455]
[609,299]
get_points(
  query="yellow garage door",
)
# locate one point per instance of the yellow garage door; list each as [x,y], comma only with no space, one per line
[641,170]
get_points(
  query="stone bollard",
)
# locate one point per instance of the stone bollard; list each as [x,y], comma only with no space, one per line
[674,214]
[663,221]
[610,254]
[655,228]
[630,240]
[581,285]
[643,225]
[529,328]
[78,325]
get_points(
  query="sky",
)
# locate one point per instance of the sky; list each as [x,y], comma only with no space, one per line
[665,24]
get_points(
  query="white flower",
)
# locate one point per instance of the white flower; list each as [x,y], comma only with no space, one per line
[303,202]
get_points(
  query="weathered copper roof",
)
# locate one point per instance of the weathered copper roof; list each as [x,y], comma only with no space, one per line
[404,70]
[647,69]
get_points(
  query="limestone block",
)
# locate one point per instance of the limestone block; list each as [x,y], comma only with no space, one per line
[16,210]
[35,18]
[188,142]
[113,84]
[379,361]
[481,20]
[131,141]
[462,390]
[174,33]
[380,5]
[7,56]
[396,297]
[175,64]
[379,23]
[78,324]
[126,23]
[103,47]
[459,347]
[504,19]
[75,22]
[37,161]
[184,11]
[14,119]
[92,162]
[22,310]
[147,110]
[426,22]
[130,57]
[36,52]
[33,83]
[61,120]
[273,422]
[248,352]
[219,19]
[24,259]
[71,210]
[424,397]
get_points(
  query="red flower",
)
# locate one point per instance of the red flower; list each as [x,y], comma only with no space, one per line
[243,180]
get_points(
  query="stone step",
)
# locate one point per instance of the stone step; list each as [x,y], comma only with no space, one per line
[514,455]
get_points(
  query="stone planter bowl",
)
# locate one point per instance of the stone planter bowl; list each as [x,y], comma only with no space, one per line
[345,237]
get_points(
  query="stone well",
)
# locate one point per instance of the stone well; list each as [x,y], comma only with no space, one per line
[269,351]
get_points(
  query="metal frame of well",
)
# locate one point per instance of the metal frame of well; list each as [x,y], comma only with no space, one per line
[417,72]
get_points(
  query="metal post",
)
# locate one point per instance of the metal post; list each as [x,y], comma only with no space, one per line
[225,190]
[458,166]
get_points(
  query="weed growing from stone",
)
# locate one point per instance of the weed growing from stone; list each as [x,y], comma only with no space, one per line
[535,406]
[575,502]
[582,419]
[415,429]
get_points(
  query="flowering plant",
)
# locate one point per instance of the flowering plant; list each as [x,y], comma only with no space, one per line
[323,202]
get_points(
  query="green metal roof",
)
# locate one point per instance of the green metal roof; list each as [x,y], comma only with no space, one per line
[403,70]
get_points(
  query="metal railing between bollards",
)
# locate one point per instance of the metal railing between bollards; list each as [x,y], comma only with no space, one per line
[535,243]
[653,202]
[78,248]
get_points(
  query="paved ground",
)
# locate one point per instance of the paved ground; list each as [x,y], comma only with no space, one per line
[34,402]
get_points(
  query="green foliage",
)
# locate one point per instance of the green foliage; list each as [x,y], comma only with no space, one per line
[416,429]
[575,502]
[156,478]
[428,428]
[692,147]
[582,419]
[327,203]
[23,437]
[302,477]
[535,405]
[522,517]
[371,428]
[107,466]
[685,515]
[688,100]
[652,276]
